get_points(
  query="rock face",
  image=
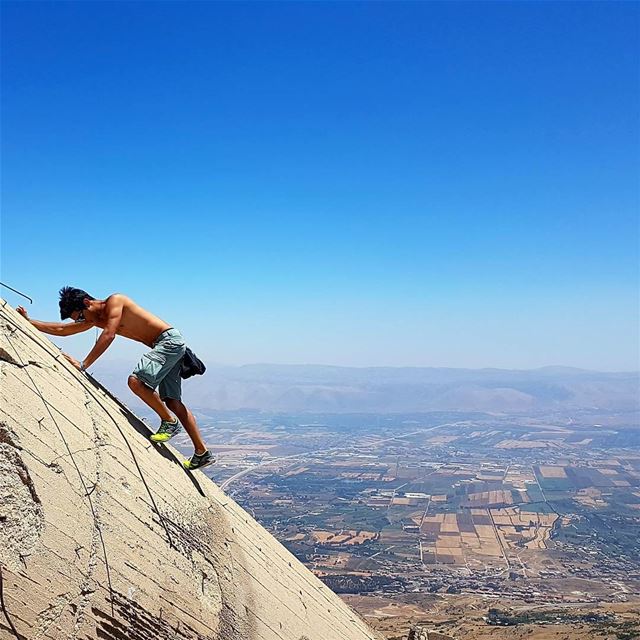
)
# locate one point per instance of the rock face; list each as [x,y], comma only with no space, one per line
[104,535]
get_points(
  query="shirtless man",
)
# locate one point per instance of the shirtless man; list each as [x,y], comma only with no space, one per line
[120,315]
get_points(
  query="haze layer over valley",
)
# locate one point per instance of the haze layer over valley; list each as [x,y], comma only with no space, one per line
[301,388]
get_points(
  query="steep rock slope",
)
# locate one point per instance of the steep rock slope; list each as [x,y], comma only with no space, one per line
[104,535]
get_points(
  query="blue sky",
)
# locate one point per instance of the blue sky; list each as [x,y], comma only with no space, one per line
[437,184]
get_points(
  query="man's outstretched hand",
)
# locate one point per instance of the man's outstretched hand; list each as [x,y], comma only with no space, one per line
[73,361]
[23,312]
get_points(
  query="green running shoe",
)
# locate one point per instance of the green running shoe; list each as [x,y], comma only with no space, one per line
[166,431]
[199,460]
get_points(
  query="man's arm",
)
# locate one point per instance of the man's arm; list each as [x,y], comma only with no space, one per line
[57,328]
[114,308]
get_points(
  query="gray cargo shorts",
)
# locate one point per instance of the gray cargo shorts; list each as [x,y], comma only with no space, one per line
[161,366]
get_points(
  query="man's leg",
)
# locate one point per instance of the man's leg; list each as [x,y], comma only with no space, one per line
[151,398]
[188,422]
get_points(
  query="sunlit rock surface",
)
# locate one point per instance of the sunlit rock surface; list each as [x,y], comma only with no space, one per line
[104,535]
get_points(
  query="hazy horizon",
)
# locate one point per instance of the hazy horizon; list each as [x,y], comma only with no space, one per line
[106,360]
[336,389]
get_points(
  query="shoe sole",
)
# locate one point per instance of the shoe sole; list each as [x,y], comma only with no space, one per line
[154,439]
[202,466]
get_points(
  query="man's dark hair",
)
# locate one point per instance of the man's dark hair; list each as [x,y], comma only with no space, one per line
[72,299]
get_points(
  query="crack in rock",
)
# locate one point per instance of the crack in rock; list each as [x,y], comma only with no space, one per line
[5,356]
[89,584]
[51,615]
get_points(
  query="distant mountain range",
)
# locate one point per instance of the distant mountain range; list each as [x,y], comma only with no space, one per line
[331,389]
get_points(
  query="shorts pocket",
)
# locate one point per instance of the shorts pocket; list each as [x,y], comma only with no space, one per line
[148,369]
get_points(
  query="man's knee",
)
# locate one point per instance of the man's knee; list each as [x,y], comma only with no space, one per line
[134,383]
